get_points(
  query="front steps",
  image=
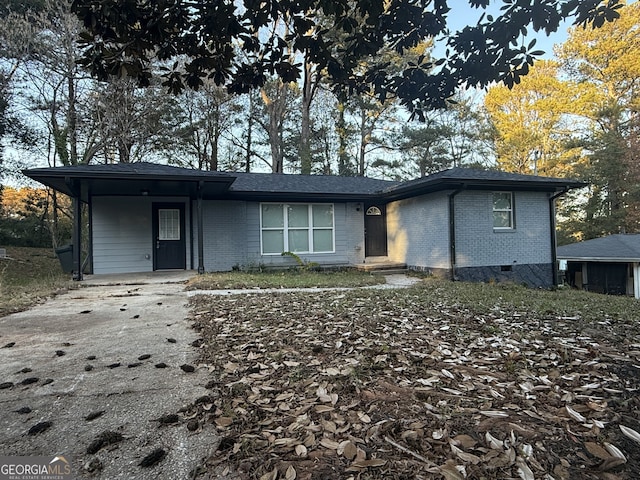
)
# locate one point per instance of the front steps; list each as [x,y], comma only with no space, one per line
[382,265]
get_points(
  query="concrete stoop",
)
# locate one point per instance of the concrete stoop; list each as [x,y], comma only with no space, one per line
[385,267]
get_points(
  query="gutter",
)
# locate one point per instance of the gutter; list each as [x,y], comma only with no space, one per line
[452,230]
[554,241]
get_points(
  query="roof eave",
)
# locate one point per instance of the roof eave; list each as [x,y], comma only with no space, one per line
[574,258]
[470,184]
[301,196]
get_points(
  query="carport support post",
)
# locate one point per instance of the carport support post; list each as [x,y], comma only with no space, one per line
[200,229]
[77,238]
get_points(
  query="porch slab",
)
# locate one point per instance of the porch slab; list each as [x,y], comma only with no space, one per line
[139,278]
[381,266]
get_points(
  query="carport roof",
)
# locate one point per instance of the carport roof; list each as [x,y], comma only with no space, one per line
[154,179]
[614,248]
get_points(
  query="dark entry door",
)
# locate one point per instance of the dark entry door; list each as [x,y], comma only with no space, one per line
[375,231]
[169,236]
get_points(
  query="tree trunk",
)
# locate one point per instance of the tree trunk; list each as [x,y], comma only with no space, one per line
[344,168]
[276,108]
[308,91]
[364,140]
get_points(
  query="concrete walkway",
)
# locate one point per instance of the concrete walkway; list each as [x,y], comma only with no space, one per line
[96,349]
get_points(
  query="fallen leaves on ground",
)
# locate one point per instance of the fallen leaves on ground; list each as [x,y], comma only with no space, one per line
[416,384]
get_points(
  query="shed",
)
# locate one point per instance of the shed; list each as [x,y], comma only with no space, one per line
[605,265]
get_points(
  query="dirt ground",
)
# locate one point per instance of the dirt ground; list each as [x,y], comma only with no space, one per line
[374,383]
[95,375]
[416,383]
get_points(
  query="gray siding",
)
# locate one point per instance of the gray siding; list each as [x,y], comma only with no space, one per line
[122,233]
[478,244]
[418,231]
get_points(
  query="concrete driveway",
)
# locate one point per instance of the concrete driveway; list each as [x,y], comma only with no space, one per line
[99,349]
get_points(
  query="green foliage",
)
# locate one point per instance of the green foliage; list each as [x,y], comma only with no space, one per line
[302,264]
[26,232]
[27,277]
[27,218]
[123,37]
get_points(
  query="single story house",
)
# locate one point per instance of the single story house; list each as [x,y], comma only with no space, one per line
[464,223]
[605,265]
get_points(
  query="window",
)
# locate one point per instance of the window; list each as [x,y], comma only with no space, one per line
[168,224]
[299,228]
[503,211]
[374,211]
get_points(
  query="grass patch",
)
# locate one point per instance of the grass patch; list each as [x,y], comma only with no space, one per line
[513,299]
[29,276]
[290,278]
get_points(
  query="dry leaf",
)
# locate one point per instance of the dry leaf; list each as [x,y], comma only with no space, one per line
[223,421]
[493,441]
[364,418]
[281,409]
[494,413]
[330,444]
[290,474]
[631,433]
[450,471]
[523,470]
[323,408]
[615,451]
[349,450]
[611,463]
[597,451]
[374,462]
[273,475]
[575,415]
[467,457]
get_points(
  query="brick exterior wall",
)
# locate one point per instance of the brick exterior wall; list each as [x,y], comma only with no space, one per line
[225,235]
[478,244]
[418,231]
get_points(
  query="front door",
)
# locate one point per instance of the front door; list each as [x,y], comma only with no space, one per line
[375,231]
[169,236]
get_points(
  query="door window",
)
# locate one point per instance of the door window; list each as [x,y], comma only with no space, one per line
[168,224]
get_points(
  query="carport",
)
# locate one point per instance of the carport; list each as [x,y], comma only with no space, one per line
[82,183]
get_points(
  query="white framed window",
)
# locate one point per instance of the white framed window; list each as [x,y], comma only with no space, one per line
[296,227]
[503,218]
[168,224]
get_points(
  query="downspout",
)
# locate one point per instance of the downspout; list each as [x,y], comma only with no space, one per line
[554,241]
[200,229]
[452,231]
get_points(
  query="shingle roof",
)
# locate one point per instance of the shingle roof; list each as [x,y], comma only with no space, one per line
[619,247]
[131,178]
[268,182]
[476,178]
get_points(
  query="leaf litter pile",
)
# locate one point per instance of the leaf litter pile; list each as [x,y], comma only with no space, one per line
[425,382]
